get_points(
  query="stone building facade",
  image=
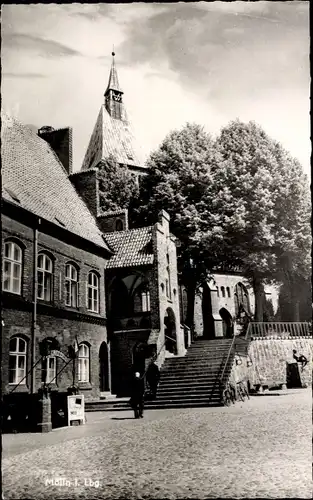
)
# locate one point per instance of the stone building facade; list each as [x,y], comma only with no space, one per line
[53,270]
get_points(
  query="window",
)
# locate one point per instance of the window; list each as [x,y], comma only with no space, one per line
[49,366]
[228,291]
[223,291]
[168,279]
[44,276]
[145,301]
[93,292]
[218,292]
[119,226]
[83,363]
[17,361]
[12,268]
[71,286]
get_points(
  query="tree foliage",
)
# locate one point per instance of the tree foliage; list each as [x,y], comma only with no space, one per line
[117,185]
[264,196]
[180,174]
[241,200]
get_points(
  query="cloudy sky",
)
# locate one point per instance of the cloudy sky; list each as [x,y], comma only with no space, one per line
[201,62]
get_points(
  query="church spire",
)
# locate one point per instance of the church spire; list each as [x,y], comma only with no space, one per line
[113,94]
[113,83]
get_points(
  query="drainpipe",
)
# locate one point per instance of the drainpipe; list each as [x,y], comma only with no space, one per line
[34,315]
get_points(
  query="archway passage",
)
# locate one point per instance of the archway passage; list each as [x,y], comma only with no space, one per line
[228,328]
[104,367]
[170,331]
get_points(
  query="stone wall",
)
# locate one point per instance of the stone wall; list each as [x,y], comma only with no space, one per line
[270,358]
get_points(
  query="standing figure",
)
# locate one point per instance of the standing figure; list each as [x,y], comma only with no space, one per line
[136,400]
[153,377]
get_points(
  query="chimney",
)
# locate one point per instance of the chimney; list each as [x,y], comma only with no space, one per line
[61,141]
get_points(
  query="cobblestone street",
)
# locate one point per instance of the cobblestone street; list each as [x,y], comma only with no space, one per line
[260,448]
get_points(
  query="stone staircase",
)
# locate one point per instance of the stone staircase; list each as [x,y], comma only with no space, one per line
[187,382]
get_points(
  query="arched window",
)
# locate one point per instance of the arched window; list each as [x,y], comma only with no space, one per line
[228,291]
[223,291]
[17,360]
[93,292]
[49,369]
[145,300]
[83,363]
[241,298]
[218,292]
[168,279]
[71,285]
[12,268]
[44,277]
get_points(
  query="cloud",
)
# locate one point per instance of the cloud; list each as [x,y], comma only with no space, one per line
[7,74]
[45,47]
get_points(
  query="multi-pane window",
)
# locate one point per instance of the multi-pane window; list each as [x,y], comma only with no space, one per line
[71,285]
[44,277]
[49,369]
[12,268]
[83,363]
[17,360]
[145,301]
[93,292]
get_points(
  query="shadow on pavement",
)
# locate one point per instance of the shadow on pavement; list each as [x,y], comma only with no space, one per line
[122,418]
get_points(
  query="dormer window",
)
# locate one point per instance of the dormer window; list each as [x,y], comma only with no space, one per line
[119,226]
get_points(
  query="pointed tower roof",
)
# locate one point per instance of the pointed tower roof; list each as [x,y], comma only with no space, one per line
[113,83]
[113,134]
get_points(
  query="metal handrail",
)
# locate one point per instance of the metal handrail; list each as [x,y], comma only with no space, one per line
[265,328]
[227,358]
[170,338]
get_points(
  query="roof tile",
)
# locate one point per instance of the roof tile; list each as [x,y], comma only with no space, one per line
[131,247]
[32,173]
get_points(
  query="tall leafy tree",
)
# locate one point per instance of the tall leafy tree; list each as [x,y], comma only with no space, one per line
[180,174]
[263,198]
[117,185]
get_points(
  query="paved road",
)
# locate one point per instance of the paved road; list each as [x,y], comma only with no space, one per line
[261,448]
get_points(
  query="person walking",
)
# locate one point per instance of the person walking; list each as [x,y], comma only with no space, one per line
[153,378]
[137,395]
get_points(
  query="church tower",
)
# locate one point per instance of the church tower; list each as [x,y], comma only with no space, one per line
[112,135]
[113,95]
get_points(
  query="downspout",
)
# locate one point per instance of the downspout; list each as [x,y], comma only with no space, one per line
[34,315]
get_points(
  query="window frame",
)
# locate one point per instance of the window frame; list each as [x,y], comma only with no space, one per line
[18,354]
[83,370]
[93,289]
[69,280]
[13,262]
[45,272]
[47,369]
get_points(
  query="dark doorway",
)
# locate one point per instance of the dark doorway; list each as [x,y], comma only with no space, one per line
[170,331]
[208,321]
[228,327]
[293,376]
[104,367]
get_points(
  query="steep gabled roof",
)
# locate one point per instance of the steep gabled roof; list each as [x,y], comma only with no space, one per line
[34,178]
[131,248]
[112,137]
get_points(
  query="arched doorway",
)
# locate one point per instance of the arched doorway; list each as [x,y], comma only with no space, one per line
[207,315]
[170,331]
[104,367]
[228,327]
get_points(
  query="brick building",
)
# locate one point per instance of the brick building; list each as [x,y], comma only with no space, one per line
[53,266]
[64,260]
